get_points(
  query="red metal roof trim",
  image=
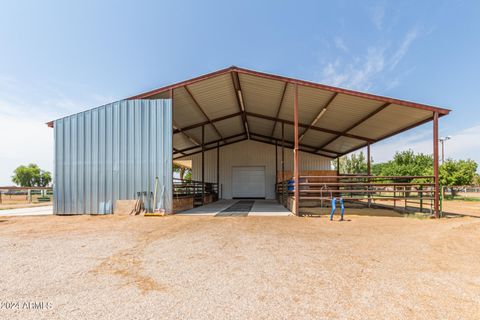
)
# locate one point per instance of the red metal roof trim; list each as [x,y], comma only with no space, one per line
[442,111]
[344,91]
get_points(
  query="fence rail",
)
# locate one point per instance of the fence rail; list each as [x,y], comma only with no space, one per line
[23,195]
[381,190]
[195,189]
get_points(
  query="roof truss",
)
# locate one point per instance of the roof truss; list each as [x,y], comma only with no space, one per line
[195,102]
[277,113]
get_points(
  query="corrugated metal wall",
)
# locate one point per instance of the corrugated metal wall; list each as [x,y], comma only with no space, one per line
[250,153]
[112,152]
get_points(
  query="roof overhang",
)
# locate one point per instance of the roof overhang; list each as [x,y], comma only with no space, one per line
[234,104]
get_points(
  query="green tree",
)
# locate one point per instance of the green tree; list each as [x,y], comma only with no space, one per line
[355,163]
[377,168]
[31,176]
[476,180]
[183,172]
[454,173]
[407,163]
[188,175]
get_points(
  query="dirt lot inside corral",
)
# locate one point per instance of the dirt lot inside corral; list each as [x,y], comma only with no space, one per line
[369,267]
[462,207]
[16,201]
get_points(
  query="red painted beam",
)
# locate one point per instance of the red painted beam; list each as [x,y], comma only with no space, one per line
[331,154]
[279,108]
[342,90]
[296,175]
[436,204]
[198,125]
[303,125]
[203,112]
[320,113]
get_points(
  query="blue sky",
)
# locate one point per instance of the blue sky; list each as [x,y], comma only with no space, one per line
[60,57]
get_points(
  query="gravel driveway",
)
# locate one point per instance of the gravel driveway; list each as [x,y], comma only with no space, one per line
[109,267]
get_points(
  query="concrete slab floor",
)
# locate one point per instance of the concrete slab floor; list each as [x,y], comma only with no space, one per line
[210,209]
[260,208]
[33,211]
[269,208]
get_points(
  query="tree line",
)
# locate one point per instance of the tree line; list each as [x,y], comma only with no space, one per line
[407,163]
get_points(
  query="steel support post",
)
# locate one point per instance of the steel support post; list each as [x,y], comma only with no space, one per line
[296,174]
[218,170]
[369,173]
[203,165]
[435,165]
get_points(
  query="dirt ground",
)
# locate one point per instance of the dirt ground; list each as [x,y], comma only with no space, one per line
[369,267]
[20,201]
[456,207]
[462,207]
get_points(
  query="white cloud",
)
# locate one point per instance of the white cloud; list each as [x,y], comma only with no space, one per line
[355,75]
[378,15]
[403,48]
[465,144]
[377,65]
[25,138]
[340,44]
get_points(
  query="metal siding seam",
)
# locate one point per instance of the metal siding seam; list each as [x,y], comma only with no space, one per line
[96,160]
[128,153]
[62,166]
[66,170]
[74,177]
[141,147]
[117,152]
[108,157]
[81,166]
[104,150]
[88,161]
[123,151]
[56,175]
[55,172]
[58,184]
[136,137]
[155,142]
[63,163]
[151,146]
[101,158]
[131,153]
[91,162]
[145,144]
[93,154]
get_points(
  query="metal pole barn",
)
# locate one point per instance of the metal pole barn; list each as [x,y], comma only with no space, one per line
[436,202]
[296,175]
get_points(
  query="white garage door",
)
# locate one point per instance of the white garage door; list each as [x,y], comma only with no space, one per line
[248,182]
